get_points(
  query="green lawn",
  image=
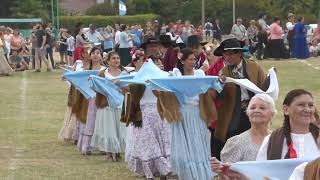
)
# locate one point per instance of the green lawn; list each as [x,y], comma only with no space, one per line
[32,108]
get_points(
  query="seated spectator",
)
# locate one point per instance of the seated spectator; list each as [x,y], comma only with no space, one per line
[314,48]
[245,146]
[16,61]
[298,136]
[25,53]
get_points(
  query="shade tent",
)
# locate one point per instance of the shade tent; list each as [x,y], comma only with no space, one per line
[20,20]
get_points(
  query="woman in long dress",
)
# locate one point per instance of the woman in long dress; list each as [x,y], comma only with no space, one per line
[69,130]
[190,144]
[5,69]
[150,151]
[300,48]
[79,65]
[277,47]
[87,127]
[109,134]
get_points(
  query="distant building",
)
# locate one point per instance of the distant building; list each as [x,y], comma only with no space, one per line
[80,6]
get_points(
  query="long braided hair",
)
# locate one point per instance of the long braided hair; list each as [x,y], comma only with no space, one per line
[286,123]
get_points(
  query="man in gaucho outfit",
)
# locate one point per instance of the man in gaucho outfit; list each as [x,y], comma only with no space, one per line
[232,118]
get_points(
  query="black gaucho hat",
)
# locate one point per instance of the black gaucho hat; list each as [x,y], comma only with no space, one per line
[166,39]
[229,44]
[149,41]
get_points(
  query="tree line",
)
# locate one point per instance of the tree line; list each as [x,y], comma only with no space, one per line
[172,10]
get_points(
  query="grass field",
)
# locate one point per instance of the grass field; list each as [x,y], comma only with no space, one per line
[32,107]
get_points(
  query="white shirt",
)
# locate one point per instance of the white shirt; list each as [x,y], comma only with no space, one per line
[173,38]
[239,32]
[78,65]
[290,26]
[117,37]
[93,37]
[304,144]
[70,42]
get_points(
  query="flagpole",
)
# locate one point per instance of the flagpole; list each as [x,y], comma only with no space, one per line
[203,14]
[234,11]
[58,21]
[52,13]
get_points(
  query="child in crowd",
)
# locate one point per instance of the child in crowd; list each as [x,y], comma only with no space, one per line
[70,43]
[314,48]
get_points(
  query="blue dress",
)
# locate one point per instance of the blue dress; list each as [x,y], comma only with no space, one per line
[190,147]
[300,49]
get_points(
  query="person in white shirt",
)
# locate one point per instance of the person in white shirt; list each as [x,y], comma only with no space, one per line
[208,27]
[290,26]
[117,37]
[93,36]
[239,32]
[124,46]
[299,136]
[70,50]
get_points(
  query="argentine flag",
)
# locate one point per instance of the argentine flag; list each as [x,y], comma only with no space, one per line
[122,8]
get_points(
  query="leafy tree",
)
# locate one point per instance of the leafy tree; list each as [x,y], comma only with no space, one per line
[105,9]
[31,9]
[4,10]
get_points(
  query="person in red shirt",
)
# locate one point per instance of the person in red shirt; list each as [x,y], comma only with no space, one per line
[214,70]
[169,55]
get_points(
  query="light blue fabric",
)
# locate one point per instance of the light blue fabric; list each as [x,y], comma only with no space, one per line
[80,80]
[148,71]
[190,146]
[108,89]
[123,76]
[274,169]
[186,86]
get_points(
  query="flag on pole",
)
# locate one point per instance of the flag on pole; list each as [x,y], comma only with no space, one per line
[122,8]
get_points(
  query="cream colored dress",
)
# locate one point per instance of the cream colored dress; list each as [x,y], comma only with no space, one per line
[5,69]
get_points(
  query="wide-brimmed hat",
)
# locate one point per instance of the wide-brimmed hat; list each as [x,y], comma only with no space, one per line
[193,41]
[290,14]
[166,40]
[149,41]
[203,43]
[229,44]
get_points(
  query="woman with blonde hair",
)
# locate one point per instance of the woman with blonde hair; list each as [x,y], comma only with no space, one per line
[108,35]
[252,32]
[5,69]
